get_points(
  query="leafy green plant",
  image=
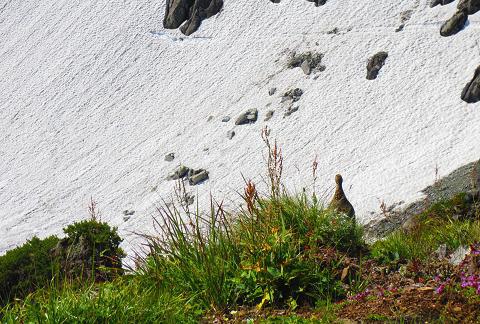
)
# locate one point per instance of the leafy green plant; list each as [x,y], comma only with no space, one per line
[26,268]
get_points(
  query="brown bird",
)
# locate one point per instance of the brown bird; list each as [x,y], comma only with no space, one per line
[340,202]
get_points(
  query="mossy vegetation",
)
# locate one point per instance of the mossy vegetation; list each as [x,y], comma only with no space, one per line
[454,222]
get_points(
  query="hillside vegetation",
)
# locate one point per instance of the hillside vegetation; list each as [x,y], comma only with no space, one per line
[282,258]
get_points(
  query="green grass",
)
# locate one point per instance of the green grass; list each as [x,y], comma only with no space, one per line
[434,227]
[272,253]
[122,301]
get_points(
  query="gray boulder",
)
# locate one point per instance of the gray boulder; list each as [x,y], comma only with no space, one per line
[197,176]
[471,6]
[248,117]
[181,172]
[269,115]
[170,157]
[188,14]
[375,64]
[471,92]
[454,24]
[293,95]
[230,134]
[308,62]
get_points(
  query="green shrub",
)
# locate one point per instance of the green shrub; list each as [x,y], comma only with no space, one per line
[90,249]
[26,268]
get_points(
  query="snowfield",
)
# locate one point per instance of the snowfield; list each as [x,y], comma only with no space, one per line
[94,94]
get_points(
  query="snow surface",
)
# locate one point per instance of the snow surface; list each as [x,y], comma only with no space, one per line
[94,93]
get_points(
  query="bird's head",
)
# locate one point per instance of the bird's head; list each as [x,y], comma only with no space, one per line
[338,179]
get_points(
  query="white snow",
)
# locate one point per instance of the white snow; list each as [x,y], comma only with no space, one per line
[94,93]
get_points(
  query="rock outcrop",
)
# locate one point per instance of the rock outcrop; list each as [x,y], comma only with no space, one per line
[471,92]
[375,64]
[248,117]
[454,24]
[440,2]
[188,14]
[471,6]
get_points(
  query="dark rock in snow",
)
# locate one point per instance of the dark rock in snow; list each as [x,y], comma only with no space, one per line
[454,24]
[188,14]
[248,117]
[471,6]
[440,2]
[269,115]
[318,3]
[128,212]
[471,92]
[179,173]
[226,119]
[375,64]
[308,62]
[272,91]
[170,157]
[293,95]
[230,134]
[290,111]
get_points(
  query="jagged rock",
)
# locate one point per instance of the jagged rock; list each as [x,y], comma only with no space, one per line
[181,172]
[197,176]
[230,134]
[269,115]
[290,111]
[248,117]
[339,201]
[308,62]
[293,95]
[440,2]
[170,157]
[471,92]
[375,64]
[272,91]
[471,6]
[188,14]
[454,24]
[275,1]
[226,119]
